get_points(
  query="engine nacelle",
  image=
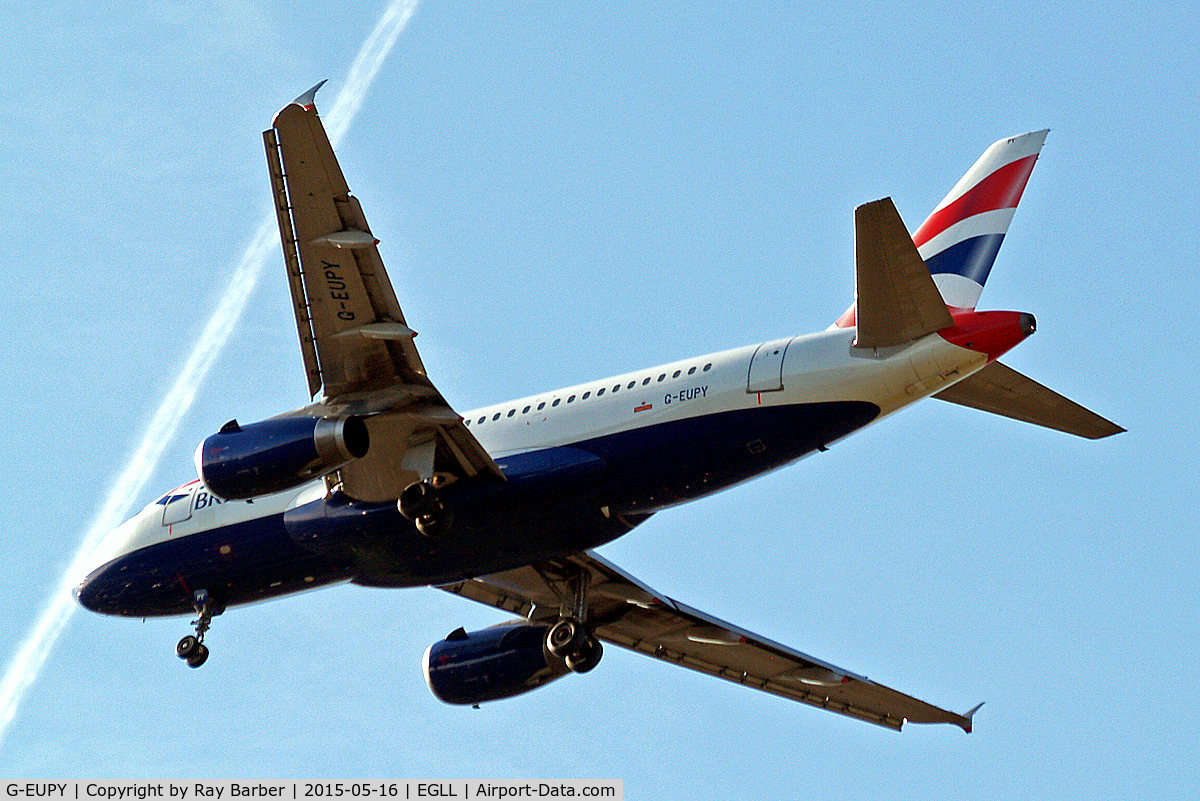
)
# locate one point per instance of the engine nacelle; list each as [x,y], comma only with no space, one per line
[498,662]
[242,462]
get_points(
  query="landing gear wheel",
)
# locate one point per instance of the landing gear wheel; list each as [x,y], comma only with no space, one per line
[436,522]
[419,502]
[566,637]
[187,647]
[586,658]
[198,657]
[418,498]
[191,649]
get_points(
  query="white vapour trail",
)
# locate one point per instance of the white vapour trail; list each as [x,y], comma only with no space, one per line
[99,544]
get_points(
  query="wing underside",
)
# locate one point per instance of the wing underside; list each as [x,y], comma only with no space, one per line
[1002,390]
[625,612]
[357,348]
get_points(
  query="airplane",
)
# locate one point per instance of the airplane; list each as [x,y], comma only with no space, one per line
[379,481]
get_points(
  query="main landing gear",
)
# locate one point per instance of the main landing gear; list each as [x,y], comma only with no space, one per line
[569,639]
[420,503]
[192,649]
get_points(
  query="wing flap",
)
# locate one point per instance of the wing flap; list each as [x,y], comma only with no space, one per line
[291,258]
[625,612]
[895,296]
[1002,390]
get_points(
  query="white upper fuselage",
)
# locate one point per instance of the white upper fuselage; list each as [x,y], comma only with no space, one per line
[809,368]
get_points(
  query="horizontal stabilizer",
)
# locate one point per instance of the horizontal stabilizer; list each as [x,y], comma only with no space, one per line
[1002,390]
[897,300]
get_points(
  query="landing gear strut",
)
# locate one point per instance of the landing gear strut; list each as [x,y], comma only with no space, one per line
[420,503]
[192,649]
[569,639]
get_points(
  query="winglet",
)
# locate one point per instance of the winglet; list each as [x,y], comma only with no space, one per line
[968,716]
[307,100]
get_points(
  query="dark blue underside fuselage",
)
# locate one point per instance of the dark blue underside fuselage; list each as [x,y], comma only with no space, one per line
[555,502]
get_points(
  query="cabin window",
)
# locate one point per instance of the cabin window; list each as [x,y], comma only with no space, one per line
[662,377]
[708,367]
[541,406]
[556,401]
[511,412]
[496,416]
[525,410]
[676,374]
[646,381]
[693,370]
[631,384]
[480,420]
[571,399]
[600,392]
[586,395]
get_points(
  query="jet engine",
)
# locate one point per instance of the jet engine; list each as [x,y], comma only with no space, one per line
[498,662]
[240,462]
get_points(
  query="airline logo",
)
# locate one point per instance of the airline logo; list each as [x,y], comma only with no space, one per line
[960,239]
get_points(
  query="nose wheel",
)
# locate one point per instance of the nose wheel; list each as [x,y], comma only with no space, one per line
[191,649]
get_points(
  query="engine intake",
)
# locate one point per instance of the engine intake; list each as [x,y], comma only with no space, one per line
[498,662]
[240,462]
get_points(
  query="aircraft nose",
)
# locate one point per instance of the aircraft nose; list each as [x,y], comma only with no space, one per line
[101,589]
[87,592]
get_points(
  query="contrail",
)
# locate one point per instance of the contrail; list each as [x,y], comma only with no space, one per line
[31,655]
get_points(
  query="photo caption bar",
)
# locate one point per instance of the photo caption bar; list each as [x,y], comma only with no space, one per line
[303,791]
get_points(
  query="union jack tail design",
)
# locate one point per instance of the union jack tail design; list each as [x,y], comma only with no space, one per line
[960,239]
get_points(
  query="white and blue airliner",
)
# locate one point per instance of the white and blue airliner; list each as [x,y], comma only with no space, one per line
[379,481]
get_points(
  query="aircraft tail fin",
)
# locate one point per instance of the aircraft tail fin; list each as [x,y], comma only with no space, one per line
[959,240]
[1002,390]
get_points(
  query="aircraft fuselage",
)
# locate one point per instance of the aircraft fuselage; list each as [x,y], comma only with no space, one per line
[582,466]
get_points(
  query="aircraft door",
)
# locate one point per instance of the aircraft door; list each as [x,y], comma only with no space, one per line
[766,367]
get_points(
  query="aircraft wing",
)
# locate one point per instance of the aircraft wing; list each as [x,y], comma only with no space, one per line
[625,612]
[357,348]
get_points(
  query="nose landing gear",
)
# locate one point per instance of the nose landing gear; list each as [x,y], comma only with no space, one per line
[191,649]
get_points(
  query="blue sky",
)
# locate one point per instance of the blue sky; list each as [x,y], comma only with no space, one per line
[565,192]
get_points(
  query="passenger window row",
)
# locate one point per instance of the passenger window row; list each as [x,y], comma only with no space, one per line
[598,393]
